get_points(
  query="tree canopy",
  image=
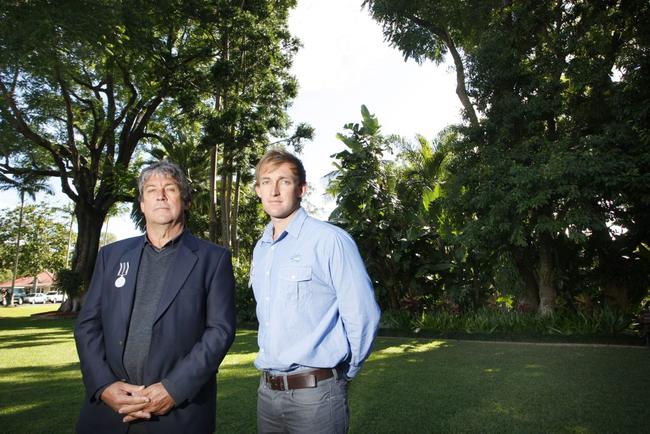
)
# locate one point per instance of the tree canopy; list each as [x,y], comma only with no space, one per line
[548,185]
[86,87]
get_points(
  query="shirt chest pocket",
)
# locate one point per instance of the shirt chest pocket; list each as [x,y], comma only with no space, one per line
[295,284]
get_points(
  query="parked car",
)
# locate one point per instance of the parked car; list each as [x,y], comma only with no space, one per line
[19,295]
[54,297]
[39,297]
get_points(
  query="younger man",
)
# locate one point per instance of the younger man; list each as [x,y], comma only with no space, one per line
[315,306]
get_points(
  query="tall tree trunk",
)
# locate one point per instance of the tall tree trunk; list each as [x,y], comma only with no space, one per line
[213,223]
[216,191]
[461,87]
[234,238]
[36,271]
[530,297]
[17,254]
[225,187]
[67,250]
[545,276]
[89,230]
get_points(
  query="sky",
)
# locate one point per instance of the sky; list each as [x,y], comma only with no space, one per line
[344,63]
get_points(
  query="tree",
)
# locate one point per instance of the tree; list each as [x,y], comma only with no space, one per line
[43,239]
[115,211]
[234,108]
[380,203]
[552,180]
[248,93]
[81,86]
[26,185]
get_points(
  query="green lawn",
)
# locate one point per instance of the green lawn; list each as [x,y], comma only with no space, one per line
[408,385]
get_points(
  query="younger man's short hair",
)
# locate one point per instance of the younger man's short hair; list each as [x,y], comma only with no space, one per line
[275,157]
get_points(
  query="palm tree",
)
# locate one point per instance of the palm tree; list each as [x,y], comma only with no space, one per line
[115,211]
[26,185]
[68,210]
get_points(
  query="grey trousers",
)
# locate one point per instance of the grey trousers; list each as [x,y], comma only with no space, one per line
[319,410]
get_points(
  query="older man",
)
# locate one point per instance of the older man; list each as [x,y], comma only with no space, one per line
[315,305]
[157,321]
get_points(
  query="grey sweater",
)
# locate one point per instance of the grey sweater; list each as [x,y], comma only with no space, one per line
[152,273]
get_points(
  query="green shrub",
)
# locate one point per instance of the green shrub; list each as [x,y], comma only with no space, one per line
[396,320]
[601,321]
[244,299]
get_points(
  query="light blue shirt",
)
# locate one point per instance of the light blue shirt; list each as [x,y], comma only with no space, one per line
[315,302]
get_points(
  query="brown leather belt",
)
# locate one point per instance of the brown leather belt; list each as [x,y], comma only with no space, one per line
[301,380]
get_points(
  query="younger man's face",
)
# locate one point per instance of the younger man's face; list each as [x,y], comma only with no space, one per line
[279,190]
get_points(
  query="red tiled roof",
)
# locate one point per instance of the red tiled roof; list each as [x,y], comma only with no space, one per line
[44,278]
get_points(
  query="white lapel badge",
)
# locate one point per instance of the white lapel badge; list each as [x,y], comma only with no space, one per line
[124,269]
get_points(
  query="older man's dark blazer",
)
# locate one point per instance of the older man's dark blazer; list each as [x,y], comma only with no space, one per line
[193,329]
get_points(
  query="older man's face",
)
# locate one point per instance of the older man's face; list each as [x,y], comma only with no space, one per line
[161,201]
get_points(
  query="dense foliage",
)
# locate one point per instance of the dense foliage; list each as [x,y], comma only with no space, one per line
[86,88]
[541,196]
[547,191]
[379,202]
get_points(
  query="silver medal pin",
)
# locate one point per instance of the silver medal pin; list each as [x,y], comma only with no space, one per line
[123,271]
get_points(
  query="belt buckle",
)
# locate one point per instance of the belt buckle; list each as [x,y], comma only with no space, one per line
[280,383]
[310,381]
[275,382]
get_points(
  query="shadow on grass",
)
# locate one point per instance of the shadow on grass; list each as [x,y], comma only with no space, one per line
[37,372]
[408,385]
[38,400]
[28,334]
[428,386]
[19,342]
[453,386]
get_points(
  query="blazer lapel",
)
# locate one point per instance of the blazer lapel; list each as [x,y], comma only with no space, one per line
[178,272]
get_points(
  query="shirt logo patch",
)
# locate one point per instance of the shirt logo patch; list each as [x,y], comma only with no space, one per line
[295,258]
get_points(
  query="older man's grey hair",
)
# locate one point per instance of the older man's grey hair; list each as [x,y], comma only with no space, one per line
[170,169]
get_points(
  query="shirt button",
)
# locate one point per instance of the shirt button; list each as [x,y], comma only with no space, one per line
[293,277]
[272,247]
[267,298]
[268,272]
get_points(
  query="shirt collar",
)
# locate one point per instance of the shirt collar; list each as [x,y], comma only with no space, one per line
[169,243]
[295,225]
[293,229]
